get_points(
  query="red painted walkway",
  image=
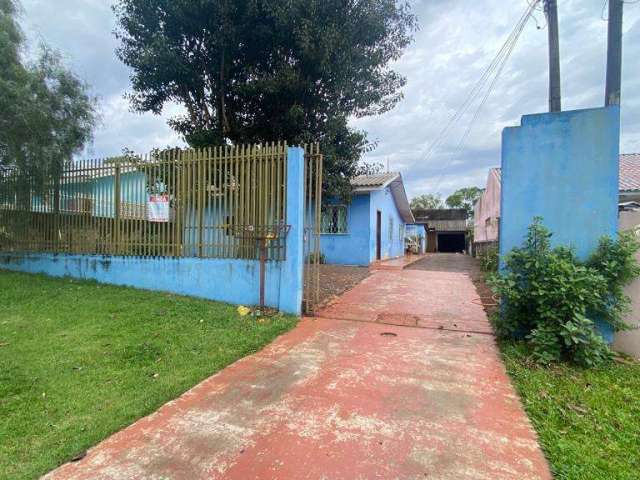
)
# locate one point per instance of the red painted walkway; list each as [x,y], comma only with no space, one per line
[341,399]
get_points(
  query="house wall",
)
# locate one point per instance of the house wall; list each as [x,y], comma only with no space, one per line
[392,244]
[351,248]
[487,211]
[564,168]
[227,280]
[629,341]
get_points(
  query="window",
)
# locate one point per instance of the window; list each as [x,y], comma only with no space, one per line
[334,219]
[390,229]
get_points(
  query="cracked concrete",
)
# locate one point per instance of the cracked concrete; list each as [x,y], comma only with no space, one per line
[335,399]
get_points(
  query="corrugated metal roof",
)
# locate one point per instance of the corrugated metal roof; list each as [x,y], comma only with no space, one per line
[423,215]
[629,172]
[374,181]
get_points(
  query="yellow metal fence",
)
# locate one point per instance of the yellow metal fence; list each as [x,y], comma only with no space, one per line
[212,203]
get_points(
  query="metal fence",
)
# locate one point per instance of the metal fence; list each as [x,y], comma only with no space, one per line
[211,203]
[312,214]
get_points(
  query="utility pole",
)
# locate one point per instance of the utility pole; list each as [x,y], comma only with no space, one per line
[614,54]
[555,99]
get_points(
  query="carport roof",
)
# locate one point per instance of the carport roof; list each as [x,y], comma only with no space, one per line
[426,214]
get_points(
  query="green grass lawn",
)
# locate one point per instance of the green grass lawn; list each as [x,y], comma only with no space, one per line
[79,361]
[588,421]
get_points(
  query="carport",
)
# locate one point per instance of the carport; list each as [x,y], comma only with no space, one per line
[446,229]
[451,242]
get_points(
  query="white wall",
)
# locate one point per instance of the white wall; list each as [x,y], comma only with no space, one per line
[629,341]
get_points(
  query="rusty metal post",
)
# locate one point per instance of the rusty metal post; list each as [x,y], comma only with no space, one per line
[263,261]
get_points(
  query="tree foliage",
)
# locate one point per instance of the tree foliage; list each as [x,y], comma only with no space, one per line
[46,114]
[428,201]
[550,298]
[264,70]
[464,198]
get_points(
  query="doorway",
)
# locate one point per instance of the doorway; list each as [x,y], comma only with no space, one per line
[378,235]
[451,242]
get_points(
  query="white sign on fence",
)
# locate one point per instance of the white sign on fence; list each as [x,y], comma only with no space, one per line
[158,208]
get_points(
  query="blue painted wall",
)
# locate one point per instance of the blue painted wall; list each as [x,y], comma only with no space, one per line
[564,168]
[351,248]
[358,245]
[227,280]
[392,238]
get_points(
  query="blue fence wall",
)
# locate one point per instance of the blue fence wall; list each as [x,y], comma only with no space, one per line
[227,280]
[232,281]
[562,167]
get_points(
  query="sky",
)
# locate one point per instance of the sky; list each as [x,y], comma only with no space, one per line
[457,40]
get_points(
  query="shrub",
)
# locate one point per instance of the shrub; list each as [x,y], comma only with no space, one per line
[549,297]
[489,260]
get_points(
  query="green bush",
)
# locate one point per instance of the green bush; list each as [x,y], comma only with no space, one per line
[549,297]
[489,260]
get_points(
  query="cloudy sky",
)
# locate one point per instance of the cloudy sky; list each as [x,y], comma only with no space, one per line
[457,40]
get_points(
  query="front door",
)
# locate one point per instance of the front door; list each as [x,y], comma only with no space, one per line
[378,235]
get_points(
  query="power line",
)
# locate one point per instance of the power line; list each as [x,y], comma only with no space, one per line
[490,77]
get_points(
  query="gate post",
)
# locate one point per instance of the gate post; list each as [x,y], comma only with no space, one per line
[292,268]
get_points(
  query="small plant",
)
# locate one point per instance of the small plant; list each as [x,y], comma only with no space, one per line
[549,297]
[316,257]
[489,260]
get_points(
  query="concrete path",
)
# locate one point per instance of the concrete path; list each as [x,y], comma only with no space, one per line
[343,399]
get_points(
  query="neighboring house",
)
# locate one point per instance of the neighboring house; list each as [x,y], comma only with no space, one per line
[629,341]
[371,226]
[487,208]
[486,216]
[446,228]
[630,177]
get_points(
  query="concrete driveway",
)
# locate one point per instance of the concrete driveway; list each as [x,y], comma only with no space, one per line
[398,379]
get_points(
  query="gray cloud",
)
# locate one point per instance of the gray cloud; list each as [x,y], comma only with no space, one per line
[457,40]
[456,43]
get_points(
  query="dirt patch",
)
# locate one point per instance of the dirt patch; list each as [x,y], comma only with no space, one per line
[337,279]
[486,297]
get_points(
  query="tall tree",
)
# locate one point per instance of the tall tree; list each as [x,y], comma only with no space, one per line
[464,198]
[266,70]
[46,114]
[428,201]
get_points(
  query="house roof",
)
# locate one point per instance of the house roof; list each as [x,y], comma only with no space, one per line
[629,172]
[377,181]
[380,181]
[424,215]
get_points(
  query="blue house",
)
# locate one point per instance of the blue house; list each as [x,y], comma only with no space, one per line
[372,226]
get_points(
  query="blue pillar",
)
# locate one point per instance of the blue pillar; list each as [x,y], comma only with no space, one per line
[564,168]
[292,270]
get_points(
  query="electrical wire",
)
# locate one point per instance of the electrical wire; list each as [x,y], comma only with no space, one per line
[490,78]
[478,87]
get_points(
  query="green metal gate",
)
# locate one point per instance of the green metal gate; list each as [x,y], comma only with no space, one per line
[312,211]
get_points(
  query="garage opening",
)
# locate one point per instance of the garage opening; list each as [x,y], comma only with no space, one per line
[451,242]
